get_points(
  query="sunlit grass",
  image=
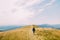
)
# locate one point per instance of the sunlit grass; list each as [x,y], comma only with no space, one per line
[48,34]
[27,34]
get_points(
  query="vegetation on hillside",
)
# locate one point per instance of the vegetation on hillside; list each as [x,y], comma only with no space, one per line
[27,34]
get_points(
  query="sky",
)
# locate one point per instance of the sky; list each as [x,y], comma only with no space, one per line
[28,12]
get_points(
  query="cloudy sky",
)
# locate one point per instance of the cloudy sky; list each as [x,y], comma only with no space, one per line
[25,12]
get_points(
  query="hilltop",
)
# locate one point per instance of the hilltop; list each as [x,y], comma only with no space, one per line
[25,33]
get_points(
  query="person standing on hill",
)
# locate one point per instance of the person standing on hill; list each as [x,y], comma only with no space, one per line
[33,30]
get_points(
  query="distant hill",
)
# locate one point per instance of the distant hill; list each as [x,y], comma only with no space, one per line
[26,33]
[57,26]
[6,28]
[12,27]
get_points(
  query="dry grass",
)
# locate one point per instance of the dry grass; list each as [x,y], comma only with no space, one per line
[27,34]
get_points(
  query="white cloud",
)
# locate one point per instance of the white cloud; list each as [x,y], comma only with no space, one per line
[15,12]
[50,3]
[26,3]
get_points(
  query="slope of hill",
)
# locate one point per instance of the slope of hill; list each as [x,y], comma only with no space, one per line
[26,33]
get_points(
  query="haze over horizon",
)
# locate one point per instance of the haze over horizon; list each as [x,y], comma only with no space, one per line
[27,12]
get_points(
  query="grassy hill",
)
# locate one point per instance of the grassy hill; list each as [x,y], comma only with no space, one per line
[26,33]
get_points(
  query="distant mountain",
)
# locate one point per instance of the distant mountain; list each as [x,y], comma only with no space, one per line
[45,26]
[6,28]
[56,25]
[50,26]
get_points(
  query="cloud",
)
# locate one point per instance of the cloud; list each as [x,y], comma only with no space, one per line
[27,3]
[50,3]
[20,12]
